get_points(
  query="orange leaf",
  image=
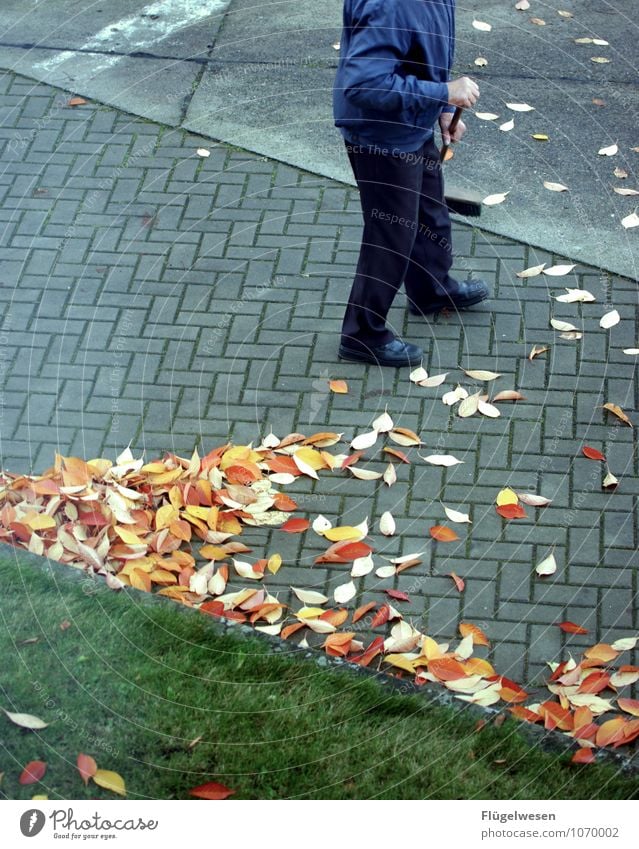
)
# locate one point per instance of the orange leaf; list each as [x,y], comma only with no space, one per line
[287,632]
[601,652]
[362,611]
[571,628]
[594,683]
[630,706]
[592,453]
[211,791]
[87,767]
[381,617]
[555,716]
[243,473]
[459,582]
[479,638]
[512,692]
[511,511]
[446,668]
[583,756]
[344,552]
[284,503]
[335,617]
[443,534]
[397,453]
[370,653]
[611,732]
[521,712]
[76,101]
[340,387]
[295,526]
[33,771]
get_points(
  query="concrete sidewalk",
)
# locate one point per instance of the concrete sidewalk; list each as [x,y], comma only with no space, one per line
[154,297]
[259,76]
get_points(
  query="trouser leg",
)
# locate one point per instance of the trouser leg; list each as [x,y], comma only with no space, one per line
[389,189]
[427,275]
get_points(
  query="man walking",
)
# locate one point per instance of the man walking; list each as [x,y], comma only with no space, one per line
[391,88]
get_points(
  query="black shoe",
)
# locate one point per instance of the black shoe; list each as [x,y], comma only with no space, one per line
[396,353]
[465,294]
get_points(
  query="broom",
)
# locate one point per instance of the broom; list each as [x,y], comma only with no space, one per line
[460,201]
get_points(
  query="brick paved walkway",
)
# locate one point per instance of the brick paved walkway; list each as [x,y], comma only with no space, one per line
[153,297]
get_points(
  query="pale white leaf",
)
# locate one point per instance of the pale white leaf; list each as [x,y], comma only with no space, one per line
[319,626]
[310,596]
[624,191]
[282,478]
[245,570]
[481,62]
[520,107]
[304,467]
[487,409]
[558,324]
[364,440]
[548,566]
[574,296]
[362,566]
[610,319]
[364,474]
[271,630]
[482,25]
[362,527]
[321,524]
[625,643]
[533,500]
[558,270]
[571,334]
[406,557]
[441,459]
[533,271]
[609,151]
[418,374]
[26,720]
[345,592]
[507,126]
[555,187]
[522,5]
[631,351]
[455,395]
[383,423]
[456,515]
[390,475]
[486,116]
[203,152]
[385,571]
[630,221]
[435,380]
[482,374]
[469,406]
[465,648]
[387,524]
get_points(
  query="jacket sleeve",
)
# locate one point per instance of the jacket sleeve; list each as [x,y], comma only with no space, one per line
[379,43]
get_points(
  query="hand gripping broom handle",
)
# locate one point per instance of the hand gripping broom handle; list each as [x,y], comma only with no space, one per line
[451,129]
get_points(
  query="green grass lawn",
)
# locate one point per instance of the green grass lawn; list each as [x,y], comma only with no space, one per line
[133,683]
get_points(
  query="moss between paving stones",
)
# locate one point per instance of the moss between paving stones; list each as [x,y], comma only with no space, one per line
[134,679]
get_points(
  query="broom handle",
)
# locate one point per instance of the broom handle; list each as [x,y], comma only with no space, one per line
[451,129]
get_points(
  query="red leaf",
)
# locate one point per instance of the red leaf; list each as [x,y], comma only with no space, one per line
[87,767]
[571,628]
[594,683]
[369,654]
[352,458]
[33,771]
[344,552]
[398,595]
[511,511]
[295,526]
[592,453]
[443,534]
[381,617]
[459,582]
[583,756]
[211,791]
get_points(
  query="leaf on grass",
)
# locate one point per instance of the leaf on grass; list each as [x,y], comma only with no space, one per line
[26,720]
[610,319]
[498,197]
[87,767]
[592,453]
[571,628]
[583,756]
[212,790]
[548,566]
[555,187]
[443,534]
[33,772]
[616,410]
[339,387]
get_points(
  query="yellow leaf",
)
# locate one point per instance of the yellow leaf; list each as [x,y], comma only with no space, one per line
[274,563]
[340,387]
[39,521]
[311,457]
[165,515]
[110,781]
[343,533]
[309,612]
[128,536]
[401,662]
[506,496]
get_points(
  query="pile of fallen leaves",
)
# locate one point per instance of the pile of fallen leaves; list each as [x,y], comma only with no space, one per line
[138,524]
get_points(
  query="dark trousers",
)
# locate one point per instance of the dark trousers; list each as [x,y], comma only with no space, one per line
[407,238]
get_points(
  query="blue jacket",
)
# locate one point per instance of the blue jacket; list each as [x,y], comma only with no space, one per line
[395,60]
